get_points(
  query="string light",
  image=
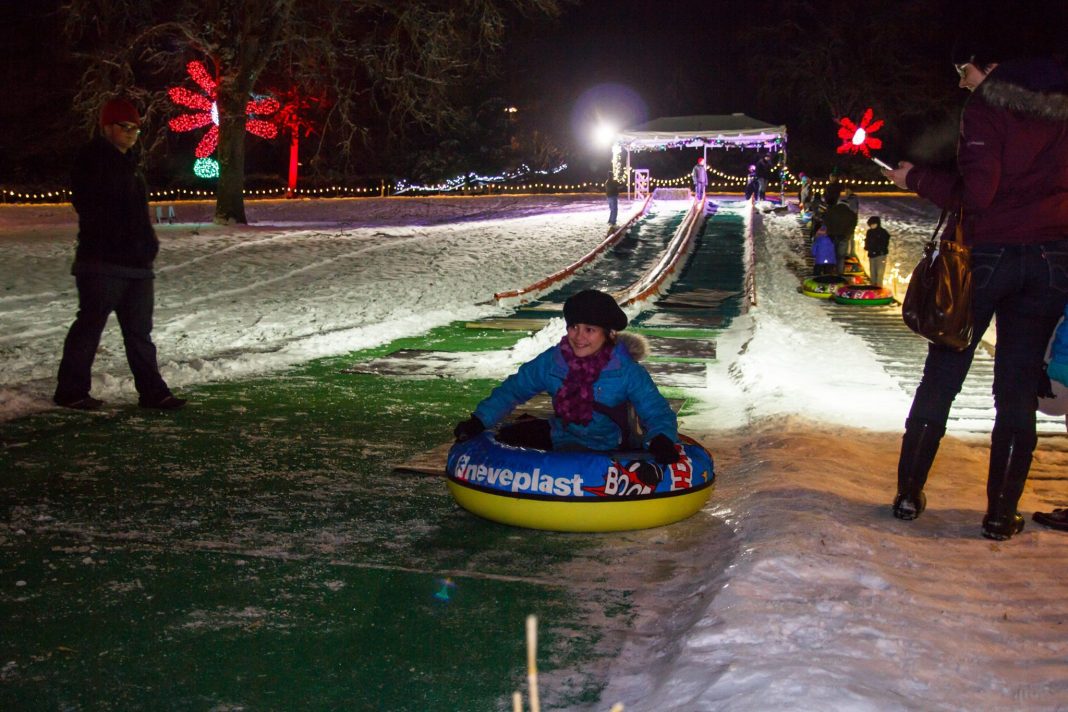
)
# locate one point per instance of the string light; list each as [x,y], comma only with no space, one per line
[471,180]
[206,168]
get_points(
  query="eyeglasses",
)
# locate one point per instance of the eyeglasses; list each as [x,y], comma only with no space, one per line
[962,69]
[128,127]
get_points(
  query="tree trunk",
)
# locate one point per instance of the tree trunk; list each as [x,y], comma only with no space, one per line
[229,196]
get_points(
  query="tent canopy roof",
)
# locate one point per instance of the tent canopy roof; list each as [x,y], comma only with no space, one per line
[716,130]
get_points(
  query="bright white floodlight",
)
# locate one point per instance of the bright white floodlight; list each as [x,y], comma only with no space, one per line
[604,134]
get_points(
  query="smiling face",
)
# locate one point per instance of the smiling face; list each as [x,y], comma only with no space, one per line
[586,339]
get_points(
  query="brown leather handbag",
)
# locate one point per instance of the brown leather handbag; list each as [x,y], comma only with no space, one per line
[938,302]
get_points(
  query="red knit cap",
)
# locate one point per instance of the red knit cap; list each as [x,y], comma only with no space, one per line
[119,110]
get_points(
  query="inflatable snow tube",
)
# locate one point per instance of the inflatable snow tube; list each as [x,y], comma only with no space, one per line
[863,294]
[577,490]
[851,265]
[823,286]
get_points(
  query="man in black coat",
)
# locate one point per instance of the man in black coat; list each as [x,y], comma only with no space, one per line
[112,264]
[841,222]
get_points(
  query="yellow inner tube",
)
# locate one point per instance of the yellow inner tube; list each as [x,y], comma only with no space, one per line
[607,515]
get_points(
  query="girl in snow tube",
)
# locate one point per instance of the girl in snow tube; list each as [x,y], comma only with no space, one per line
[863,294]
[823,286]
[593,375]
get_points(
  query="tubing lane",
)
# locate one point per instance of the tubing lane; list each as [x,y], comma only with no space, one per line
[533,291]
[665,271]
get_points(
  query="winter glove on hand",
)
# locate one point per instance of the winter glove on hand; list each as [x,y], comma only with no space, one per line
[468,429]
[1058,371]
[1045,388]
[663,450]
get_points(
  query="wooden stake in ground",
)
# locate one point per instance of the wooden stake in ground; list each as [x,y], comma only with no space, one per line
[532,662]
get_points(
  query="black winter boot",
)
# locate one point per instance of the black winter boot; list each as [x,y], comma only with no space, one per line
[1010,461]
[918,448]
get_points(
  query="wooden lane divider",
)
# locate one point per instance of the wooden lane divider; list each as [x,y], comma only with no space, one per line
[531,292]
[663,273]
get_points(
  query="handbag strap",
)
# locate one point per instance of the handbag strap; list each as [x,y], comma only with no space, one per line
[938,228]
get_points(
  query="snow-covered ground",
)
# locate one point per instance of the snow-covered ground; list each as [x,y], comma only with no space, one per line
[827,603]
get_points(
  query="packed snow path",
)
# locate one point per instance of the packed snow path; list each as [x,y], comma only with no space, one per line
[899,351]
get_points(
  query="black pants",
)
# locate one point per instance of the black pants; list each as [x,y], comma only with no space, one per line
[1026,287]
[132,300]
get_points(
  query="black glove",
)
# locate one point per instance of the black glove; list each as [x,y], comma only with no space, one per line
[1045,387]
[663,450]
[467,429]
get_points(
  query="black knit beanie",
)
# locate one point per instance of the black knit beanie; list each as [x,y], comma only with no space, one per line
[596,309]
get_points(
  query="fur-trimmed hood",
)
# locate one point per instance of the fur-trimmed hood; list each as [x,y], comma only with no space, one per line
[635,344]
[1033,87]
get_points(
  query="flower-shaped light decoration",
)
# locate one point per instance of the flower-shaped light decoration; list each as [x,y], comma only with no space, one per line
[207,111]
[859,139]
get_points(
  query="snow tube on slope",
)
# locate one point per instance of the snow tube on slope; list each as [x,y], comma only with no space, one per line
[577,490]
[823,286]
[853,271]
[863,294]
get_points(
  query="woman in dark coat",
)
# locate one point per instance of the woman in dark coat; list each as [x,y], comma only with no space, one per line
[1011,186]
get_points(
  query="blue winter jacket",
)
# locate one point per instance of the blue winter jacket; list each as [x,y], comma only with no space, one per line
[823,250]
[1058,363]
[622,379]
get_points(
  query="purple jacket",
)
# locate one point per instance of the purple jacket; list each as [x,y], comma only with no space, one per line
[1012,158]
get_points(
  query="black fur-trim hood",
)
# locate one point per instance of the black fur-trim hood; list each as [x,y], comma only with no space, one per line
[1033,87]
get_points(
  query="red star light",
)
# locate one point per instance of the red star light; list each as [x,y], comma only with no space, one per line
[206,111]
[859,139]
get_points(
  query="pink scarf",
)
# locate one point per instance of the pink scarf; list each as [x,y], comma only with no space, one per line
[574,401]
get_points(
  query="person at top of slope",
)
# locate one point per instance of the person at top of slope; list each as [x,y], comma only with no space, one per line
[591,374]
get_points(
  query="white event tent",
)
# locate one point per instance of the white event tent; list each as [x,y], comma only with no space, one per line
[703,131]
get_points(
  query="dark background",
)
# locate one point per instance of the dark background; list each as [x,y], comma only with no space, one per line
[802,64]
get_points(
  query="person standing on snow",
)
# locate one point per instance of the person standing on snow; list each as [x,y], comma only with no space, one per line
[841,223]
[877,245]
[1011,186]
[112,264]
[699,174]
[765,170]
[611,193]
[804,193]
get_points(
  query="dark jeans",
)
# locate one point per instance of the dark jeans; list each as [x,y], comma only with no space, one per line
[699,191]
[1026,287]
[841,250]
[132,300]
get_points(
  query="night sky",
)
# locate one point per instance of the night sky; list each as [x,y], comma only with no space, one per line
[629,61]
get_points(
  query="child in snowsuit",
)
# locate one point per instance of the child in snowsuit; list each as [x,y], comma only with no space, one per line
[841,221]
[877,245]
[1057,370]
[1058,364]
[591,374]
[823,254]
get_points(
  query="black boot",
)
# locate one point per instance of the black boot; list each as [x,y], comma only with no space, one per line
[1010,461]
[918,448]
